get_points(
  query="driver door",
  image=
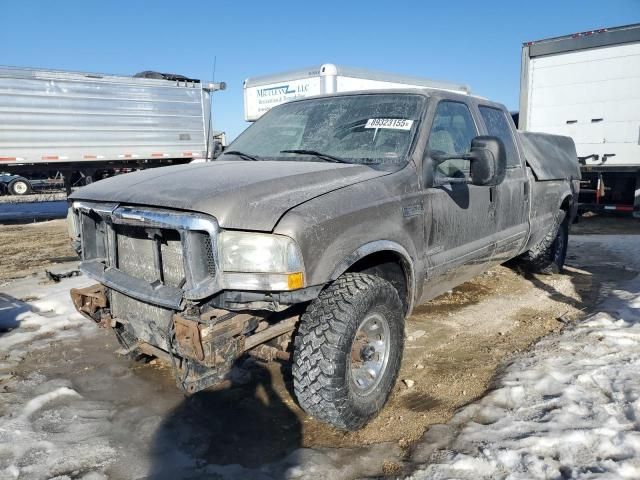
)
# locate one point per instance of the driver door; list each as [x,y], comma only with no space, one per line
[460,218]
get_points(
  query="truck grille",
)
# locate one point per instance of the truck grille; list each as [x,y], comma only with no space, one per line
[211,261]
[151,259]
[153,247]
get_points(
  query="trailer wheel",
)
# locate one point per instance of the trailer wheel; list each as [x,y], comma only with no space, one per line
[348,349]
[549,254]
[19,186]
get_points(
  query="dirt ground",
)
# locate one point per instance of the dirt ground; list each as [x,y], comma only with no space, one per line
[455,343]
[454,346]
[29,248]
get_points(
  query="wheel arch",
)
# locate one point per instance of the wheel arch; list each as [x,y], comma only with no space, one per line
[566,202]
[378,258]
[569,205]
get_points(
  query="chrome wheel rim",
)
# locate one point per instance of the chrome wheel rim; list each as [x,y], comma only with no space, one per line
[20,188]
[369,353]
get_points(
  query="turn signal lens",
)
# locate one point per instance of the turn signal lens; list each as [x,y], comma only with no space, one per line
[295,280]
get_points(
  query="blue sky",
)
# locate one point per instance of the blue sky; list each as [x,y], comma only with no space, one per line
[477,43]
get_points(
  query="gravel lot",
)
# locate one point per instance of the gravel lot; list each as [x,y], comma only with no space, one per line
[32,247]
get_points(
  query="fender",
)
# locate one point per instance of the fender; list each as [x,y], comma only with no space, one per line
[382,246]
[572,209]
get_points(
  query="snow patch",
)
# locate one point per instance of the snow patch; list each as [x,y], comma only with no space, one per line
[45,315]
[55,434]
[47,429]
[40,401]
[569,408]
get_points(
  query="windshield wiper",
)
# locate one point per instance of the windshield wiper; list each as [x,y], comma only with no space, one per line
[315,153]
[242,155]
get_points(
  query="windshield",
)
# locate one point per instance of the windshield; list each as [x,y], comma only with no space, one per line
[365,128]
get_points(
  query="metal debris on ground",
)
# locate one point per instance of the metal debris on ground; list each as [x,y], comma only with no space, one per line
[56,277]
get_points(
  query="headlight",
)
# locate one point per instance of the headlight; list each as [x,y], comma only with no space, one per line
[72,223]
[260,261]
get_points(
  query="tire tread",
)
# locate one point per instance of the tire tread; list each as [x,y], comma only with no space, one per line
[540,258]
[318,372]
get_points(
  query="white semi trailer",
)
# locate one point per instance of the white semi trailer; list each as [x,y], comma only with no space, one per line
[587,86]
[87,125]
[265,92]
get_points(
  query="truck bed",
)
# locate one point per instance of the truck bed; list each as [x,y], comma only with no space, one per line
[551,157]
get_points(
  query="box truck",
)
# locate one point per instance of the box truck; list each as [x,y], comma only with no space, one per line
[88,125]
[587,86]
[263,93]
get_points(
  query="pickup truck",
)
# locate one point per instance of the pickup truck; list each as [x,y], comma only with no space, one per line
[316,233]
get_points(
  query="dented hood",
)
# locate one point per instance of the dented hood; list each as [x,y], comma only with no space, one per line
[240,194]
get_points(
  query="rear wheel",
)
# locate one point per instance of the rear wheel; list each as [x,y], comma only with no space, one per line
[19,186]
[549,254]
[348,351]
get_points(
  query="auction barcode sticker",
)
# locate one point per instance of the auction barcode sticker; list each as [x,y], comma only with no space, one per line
[393,123]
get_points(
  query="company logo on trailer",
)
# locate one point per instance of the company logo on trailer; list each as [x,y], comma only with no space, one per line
[281,90]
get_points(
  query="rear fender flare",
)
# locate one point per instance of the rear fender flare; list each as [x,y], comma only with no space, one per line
[571,205]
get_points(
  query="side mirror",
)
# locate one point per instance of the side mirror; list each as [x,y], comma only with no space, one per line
[488,160]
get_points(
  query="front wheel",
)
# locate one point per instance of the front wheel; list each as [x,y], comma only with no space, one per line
[348,351]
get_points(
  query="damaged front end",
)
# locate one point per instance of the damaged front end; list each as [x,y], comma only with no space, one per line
[158,272]
[92,303]
[201,347]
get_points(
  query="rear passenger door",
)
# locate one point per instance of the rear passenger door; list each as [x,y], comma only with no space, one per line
[512,195]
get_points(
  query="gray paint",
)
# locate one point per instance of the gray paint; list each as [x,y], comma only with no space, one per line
[242,195]
[539,147]
[444,234]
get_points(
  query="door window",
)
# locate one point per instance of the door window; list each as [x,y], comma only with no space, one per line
[451,133]
[498,126]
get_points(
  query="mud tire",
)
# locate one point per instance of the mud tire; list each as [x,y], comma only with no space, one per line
[548,256]
[322,356]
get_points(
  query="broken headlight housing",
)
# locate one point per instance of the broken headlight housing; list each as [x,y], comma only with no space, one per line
[260,261]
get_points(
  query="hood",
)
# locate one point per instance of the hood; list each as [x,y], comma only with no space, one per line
[240,194]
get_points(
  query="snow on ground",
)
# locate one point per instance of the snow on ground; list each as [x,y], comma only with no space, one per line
[46,427]
[570,408]
[50,428]
[33,313]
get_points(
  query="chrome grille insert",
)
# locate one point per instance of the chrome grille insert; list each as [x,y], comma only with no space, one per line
[159,247]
